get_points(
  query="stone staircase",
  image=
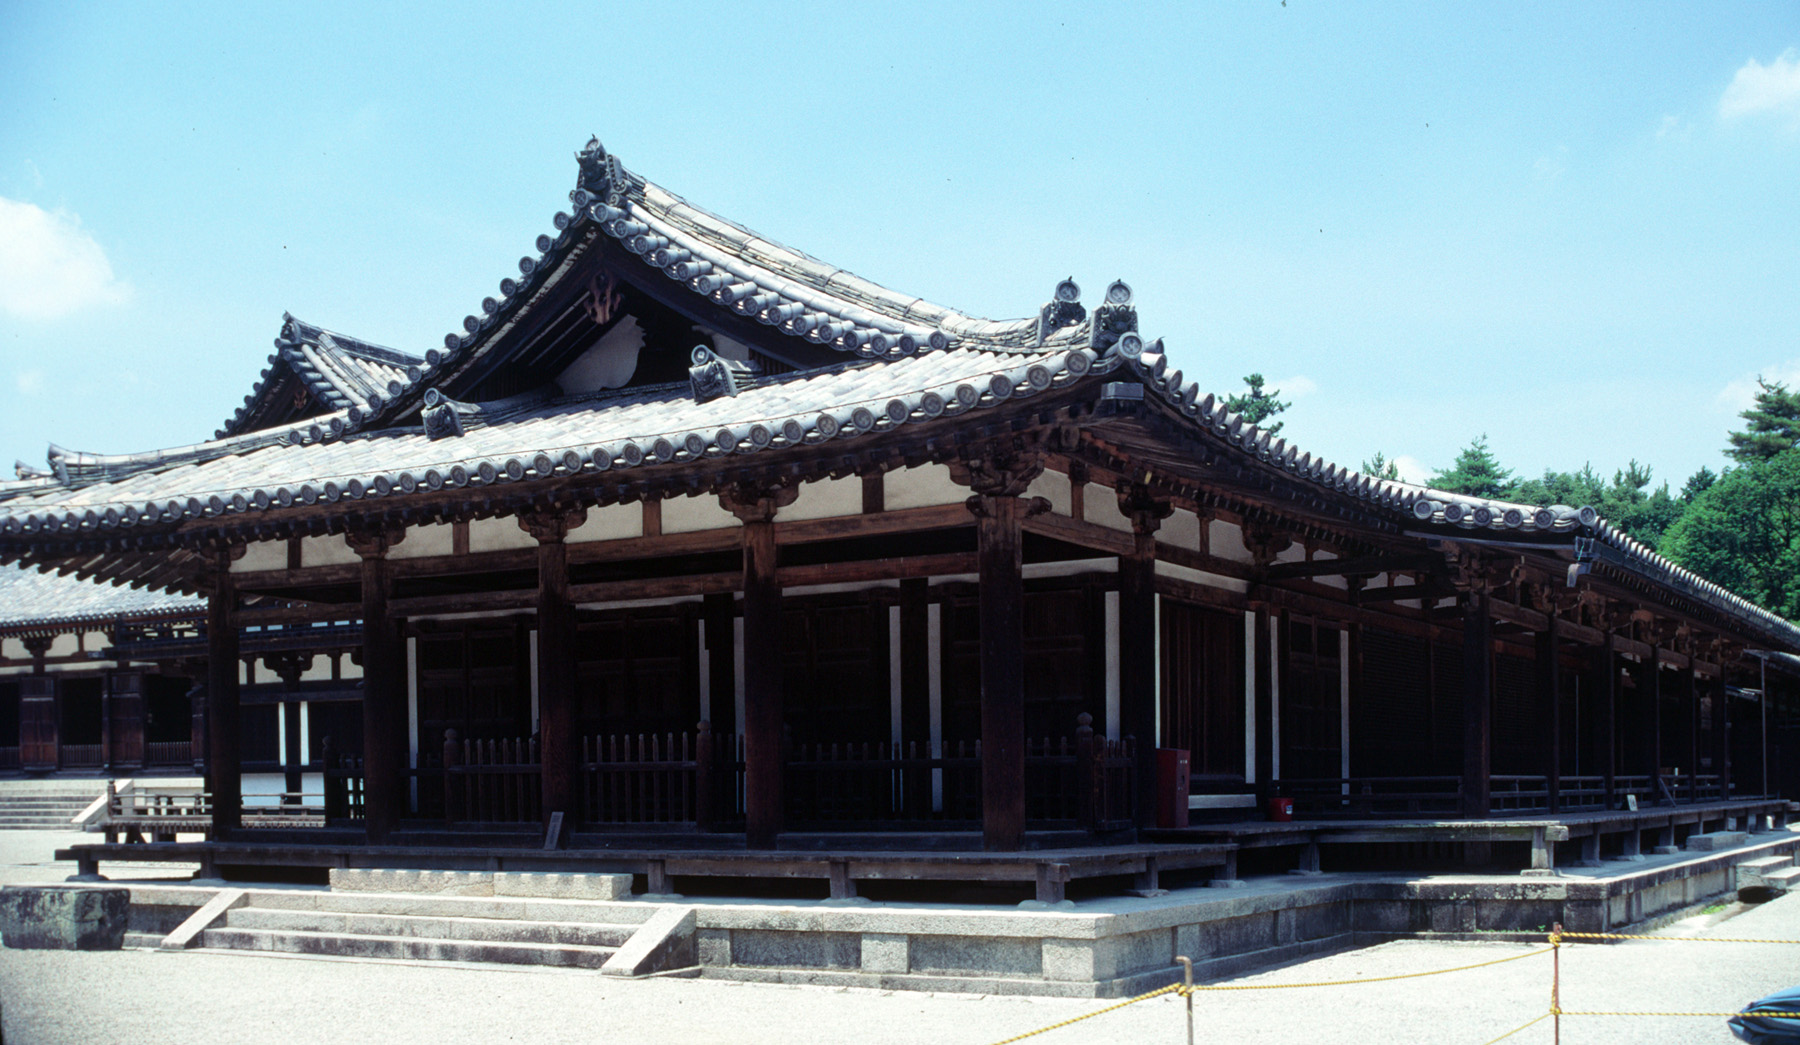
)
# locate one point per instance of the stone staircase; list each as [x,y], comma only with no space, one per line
[457,929]
[45,807]
[1773,875]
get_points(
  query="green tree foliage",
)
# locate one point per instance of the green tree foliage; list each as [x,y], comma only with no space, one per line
[1743,531]
[1773,424]
[1476,473]
[1256,406]
[1697,484]
[1380,467]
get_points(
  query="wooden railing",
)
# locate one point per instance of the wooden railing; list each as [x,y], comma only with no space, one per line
[1387,796]
[492,781]
[168,752]
[650,778]
[80,756]
[343,784]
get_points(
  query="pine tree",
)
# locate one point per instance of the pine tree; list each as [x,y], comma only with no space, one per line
[1257,406]
[1379,467]
[1697,484]
[1774,424]
[1476,473]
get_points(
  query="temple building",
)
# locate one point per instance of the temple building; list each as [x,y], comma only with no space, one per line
[685,535]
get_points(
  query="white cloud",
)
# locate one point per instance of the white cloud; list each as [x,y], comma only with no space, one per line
[1412,469]
[1759,88]
[30,382]
[1298,387]
[50,266]
[1738,394]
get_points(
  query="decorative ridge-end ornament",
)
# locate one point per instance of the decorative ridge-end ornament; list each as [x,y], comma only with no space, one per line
[1063,310]
[446,417]
[713,376]
[602,178]
[1114,319]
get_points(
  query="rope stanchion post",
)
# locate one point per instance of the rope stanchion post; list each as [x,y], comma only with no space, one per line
[1187,985]
[1556,934]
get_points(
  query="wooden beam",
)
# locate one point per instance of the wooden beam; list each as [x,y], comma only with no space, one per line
[1367,566]
[1082,534]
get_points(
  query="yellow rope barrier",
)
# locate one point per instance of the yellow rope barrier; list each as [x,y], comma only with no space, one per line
[1173,988]
[1672,939]
[1522,1026]
[1373,979]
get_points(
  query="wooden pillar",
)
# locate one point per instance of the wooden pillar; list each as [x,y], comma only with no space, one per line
[999,478]
[224,764]
[1549,681]
[719,612]
[1649,704]
[40,747]
[125,720]
[764,757]
[1722,734]
[384,687]
[1478,690]
[293,756]
[1137,640]
[559,740]
[1609,719]
[1692,677]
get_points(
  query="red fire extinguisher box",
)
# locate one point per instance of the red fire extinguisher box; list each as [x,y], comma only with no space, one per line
[1171,787]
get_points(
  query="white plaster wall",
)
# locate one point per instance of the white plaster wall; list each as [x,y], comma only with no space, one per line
[498,534]
[431,539]
[1201,577]
[1330,581]
[1292,553]
[320,668]
[1100,506]
[825,499]
[330,550]
[1226,540]
[1181,530]
[96,640]
[1053,487]
[921,487]
[14,649]
[612,523]
[262,555]
[352,670]
[702,512]
[64,645]
[1069,567]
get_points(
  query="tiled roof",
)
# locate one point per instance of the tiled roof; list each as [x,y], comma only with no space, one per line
[31,598]
[341,372]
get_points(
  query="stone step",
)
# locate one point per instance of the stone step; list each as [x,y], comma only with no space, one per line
[482,930]
[1752,871]
[410,947]
[1783,880]
[1716,841]
[430,906]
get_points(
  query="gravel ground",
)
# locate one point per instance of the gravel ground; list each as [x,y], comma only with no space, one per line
[200,998]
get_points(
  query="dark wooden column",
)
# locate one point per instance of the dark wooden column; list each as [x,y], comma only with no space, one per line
[1137,639]
[719,611]
[1722,733]
[764,713]
[1549,682]
[559,740]
[1649,718]
[288,667]
[40,748]
[1609,718]
[224,764]
[384,686]
[1692,681]
[999,478]
[1478,692]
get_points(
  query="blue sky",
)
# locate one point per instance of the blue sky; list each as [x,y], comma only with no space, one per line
[1575,228]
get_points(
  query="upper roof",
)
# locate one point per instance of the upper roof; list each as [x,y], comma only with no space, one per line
[315,371]
[871,361]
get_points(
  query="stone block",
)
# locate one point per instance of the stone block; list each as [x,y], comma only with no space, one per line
[391,880]
[796,950]
[64,917]
[562,886]
[663,943]
[1074,960]
[1716,840]
[885,952]
[993,955]
[713,948]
